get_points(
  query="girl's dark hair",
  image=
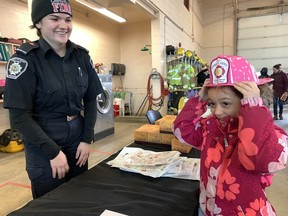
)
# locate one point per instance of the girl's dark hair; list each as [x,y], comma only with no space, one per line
[277,66]
[223,88]
[266,93]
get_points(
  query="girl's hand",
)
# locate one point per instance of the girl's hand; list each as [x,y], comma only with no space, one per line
[248,89]
[202,92]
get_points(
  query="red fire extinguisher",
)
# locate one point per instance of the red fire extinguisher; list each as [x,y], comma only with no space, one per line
[116,109]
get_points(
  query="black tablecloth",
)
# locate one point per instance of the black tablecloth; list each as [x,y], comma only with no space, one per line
[103,187]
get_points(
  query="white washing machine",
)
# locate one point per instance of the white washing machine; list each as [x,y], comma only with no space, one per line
[105,115]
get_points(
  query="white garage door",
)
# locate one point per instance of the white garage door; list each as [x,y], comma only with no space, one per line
[263,40]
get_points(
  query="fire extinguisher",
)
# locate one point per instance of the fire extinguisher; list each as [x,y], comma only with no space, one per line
[165,90]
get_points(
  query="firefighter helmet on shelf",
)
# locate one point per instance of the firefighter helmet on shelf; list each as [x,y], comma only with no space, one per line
[11,141]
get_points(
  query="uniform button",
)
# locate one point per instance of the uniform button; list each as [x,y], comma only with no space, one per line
[208,122]
[230,136]
[231,120]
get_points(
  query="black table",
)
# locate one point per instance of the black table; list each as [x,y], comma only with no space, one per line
[103,187]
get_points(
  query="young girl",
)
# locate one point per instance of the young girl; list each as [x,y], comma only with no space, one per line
[240,145]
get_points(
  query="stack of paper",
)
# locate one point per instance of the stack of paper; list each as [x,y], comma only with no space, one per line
[157,164]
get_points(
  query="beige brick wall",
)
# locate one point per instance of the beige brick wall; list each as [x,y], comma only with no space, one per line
[99,35]
[138,63]
[14,23]
[177,24]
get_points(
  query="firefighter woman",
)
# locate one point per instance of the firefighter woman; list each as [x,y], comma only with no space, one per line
[51,89]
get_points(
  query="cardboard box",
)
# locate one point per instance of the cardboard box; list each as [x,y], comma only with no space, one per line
[148,133]
[166,123]
[181,147]
[141,134]
[154,135]
[167,138]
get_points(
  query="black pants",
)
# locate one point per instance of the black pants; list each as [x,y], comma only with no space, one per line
[68,135]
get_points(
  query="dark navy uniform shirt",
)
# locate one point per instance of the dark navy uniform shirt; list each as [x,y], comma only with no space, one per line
[43,84]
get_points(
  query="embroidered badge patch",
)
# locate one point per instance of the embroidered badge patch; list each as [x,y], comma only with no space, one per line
[219,70]
[15,67]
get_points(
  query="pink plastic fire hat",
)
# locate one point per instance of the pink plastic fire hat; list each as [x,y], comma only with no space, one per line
[227,70]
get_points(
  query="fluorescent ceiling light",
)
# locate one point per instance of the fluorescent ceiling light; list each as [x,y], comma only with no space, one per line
[111,15]
[102,10]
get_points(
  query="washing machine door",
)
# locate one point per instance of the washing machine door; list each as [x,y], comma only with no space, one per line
[104,101]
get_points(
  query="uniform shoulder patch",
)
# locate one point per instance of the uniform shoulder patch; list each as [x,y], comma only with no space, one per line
[15,67]
[27,47]
[82,48]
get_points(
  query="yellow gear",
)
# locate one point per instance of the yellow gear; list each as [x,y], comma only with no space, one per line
[189,53]
[11,141]
[12,147]
[180,51]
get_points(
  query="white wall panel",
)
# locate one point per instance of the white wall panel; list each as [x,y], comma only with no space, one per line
[268,20]
[263,40]
[277,52]
[259,63]
[263,31]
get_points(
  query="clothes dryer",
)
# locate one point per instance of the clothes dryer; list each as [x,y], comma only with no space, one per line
[105,116]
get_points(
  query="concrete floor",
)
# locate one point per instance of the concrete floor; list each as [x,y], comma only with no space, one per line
[15,185]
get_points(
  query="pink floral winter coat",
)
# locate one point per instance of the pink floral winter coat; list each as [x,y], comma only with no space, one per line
[236,160]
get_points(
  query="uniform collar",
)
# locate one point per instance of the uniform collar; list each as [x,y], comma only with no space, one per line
[46,47]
